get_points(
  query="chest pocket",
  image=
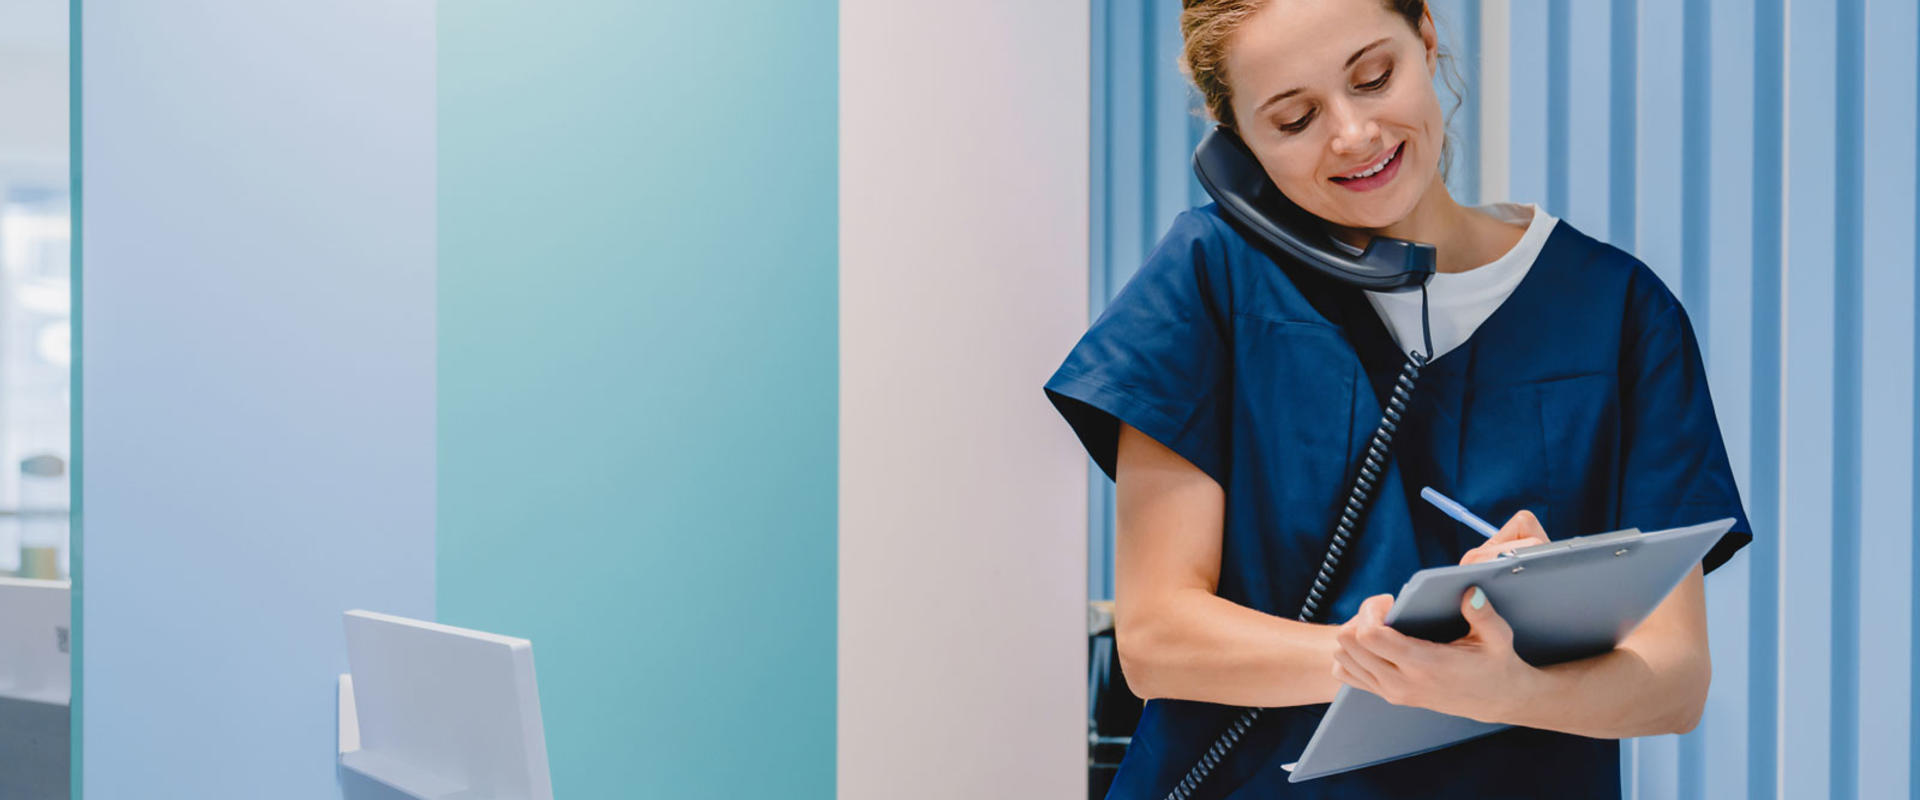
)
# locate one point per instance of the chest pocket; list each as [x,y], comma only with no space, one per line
[1489,446]
[1580,423]
[1544,446]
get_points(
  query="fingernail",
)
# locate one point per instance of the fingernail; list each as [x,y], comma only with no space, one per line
[1479,599]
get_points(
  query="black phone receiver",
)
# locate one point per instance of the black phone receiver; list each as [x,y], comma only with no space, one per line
[1235,179]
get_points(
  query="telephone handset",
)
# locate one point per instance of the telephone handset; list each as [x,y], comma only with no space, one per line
[1229,172]
[1235,179]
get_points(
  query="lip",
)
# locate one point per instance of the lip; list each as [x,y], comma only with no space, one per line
[1377,179]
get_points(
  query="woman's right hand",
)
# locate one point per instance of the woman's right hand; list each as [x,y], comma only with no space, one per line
[1523,530]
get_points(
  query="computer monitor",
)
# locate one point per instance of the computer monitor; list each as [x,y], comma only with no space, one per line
[36,663]
[438,712]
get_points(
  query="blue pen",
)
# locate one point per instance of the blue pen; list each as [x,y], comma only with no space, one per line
[1457,511]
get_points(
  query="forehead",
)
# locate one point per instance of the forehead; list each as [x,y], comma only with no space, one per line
[1291,43]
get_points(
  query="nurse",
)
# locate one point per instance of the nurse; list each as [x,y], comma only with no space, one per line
[1231,398]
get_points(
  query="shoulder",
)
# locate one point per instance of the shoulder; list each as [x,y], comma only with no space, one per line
[1204,253]
[1612,278]
[1188,269]
[1200,240]
[1203,221]
[1194,234]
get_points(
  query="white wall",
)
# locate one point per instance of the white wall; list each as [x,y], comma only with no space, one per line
[963,283]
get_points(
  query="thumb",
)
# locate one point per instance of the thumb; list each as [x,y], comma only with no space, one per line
[1482,618]
[1520,526]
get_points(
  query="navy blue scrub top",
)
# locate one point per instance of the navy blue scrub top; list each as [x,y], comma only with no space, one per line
[1582,399]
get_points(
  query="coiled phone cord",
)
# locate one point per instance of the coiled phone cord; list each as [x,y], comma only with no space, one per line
[1371,471]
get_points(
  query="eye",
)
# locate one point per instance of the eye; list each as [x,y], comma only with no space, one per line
[1377,83]
[1298,125]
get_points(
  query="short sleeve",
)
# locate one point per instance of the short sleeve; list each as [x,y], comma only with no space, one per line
[1674,461]
[1159,358]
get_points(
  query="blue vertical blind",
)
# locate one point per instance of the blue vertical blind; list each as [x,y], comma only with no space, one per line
[1759,155]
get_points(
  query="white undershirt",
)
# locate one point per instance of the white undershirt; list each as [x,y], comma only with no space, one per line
[1460,301]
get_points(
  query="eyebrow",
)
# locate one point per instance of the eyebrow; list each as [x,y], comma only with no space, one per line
[1350,59]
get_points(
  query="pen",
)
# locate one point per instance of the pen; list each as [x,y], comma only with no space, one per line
[1457,511]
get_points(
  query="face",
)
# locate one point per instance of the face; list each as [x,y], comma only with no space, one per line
[1336,100]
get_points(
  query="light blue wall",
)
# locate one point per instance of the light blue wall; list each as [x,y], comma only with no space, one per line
[258,370]
[1770,179]
[639,380]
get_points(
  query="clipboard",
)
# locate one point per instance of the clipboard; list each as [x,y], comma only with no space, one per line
[1566,600]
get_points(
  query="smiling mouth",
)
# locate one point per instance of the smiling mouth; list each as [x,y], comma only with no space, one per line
[1375,169]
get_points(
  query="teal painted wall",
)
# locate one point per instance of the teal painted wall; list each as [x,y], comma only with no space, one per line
[638,380]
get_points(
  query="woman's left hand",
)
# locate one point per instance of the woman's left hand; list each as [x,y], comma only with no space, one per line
[1477,676]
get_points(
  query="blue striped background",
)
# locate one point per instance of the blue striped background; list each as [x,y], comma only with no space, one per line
[1770,178]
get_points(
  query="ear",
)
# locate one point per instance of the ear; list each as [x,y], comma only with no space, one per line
[1430,37]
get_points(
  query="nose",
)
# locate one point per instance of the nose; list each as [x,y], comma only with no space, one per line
[1354,133]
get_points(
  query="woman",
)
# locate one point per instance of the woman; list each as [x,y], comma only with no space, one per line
[1222,392]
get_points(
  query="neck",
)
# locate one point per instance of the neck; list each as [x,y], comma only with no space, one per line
[1458,234]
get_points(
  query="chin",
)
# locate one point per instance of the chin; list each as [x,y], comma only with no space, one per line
[1381,214]
[1367,221]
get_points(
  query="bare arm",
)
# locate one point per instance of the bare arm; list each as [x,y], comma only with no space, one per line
[1177,638]
[1655,682]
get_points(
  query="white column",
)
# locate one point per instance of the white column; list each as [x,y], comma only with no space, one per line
[963,236]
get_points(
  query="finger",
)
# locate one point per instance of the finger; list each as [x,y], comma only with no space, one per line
[1377,666]
[1371,643]
[1364,658]
[1345,674]
[1483,619]
[1351,673]
[1522,524]
[1376,607]
[1492,549]
[1525,541]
